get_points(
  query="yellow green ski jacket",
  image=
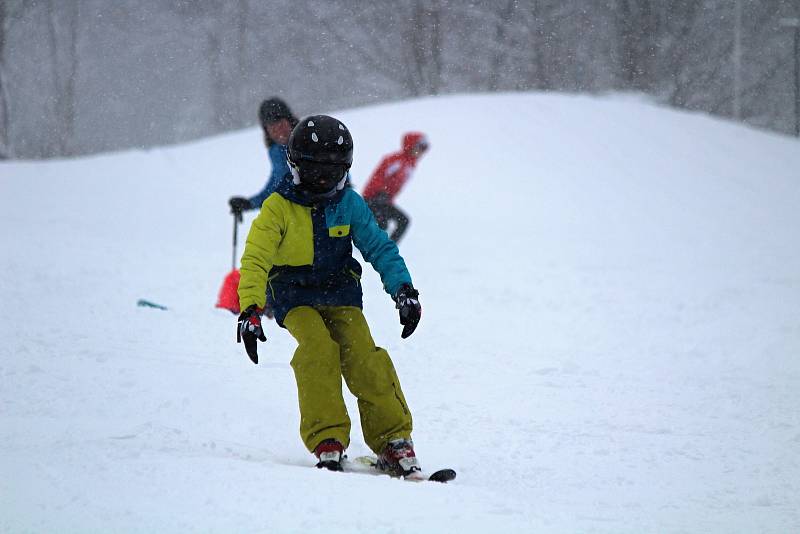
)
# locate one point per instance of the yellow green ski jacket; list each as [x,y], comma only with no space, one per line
[299,252]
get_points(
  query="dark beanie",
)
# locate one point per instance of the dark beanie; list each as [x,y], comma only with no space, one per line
[272,110]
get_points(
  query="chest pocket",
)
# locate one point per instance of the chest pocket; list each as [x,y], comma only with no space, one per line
[339,231]
[337,220]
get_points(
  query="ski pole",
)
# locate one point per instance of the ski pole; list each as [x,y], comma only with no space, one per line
[236,219]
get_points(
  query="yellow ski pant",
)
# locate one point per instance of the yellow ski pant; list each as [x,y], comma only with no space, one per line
[335,342]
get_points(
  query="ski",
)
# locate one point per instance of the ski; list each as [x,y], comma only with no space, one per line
[369,464]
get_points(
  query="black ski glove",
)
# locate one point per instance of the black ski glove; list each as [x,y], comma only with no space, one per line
[249,329]
[238,205]
[407,301]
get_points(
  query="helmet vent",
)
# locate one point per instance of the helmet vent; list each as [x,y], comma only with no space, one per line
[314,137]
[310,123]
[340,126]
[340,140]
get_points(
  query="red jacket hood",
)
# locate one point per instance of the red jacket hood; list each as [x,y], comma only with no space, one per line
[410,139]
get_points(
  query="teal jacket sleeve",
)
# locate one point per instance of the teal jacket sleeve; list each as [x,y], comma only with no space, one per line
[375,245]
[280,168]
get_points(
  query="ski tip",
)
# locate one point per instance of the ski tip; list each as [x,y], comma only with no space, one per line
[443,476]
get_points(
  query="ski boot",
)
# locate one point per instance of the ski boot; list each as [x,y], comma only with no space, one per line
[330,454]
[398,458]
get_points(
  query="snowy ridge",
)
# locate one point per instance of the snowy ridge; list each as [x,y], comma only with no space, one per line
[609,342]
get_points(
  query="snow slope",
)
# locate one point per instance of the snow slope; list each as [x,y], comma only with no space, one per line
[610,337]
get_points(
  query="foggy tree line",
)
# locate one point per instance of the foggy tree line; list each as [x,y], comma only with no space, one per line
[82,76]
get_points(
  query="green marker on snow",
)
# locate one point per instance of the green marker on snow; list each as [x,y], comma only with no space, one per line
[148,304]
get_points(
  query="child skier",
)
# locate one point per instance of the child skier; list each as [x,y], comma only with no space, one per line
[388,178]
[299,252]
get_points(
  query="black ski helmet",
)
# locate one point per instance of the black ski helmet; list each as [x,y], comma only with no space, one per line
[274,109]
[320,153]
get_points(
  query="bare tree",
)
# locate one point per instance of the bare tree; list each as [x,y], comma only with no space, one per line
[676,49]
[220,113]
[242,59]
[63,31]
[639,26]
[5,121]
[422,48]
[501,44]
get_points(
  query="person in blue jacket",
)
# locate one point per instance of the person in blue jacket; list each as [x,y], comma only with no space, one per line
[277,121]
[298,259]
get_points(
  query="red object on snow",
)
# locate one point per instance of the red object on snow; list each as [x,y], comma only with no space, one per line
[228,298]
[228,295]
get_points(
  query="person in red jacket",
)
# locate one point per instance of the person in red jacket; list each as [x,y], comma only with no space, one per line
[389,178]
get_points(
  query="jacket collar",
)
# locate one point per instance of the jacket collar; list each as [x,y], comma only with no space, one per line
[291,192]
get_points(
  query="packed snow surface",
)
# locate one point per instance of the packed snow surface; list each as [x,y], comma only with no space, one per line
[610,339]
